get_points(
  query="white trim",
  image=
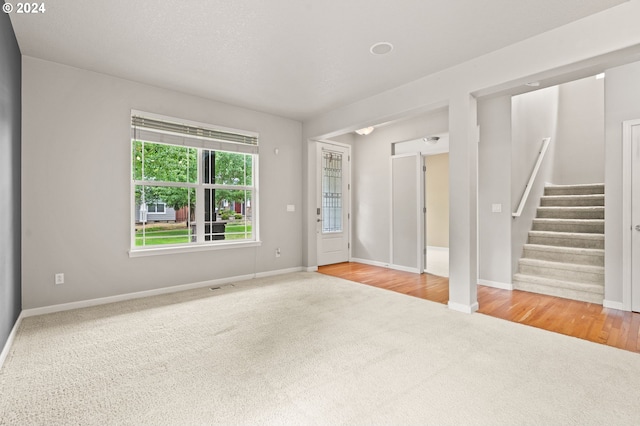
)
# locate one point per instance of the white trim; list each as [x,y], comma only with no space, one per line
[164,208]
[404,268]
[614,305]
[310,269]
[7,346]
[496,284]
[279,272]
[148,293]
[459,307]
[370,262]
[191,248]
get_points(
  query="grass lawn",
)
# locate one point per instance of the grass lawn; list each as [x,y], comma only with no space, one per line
[159,235]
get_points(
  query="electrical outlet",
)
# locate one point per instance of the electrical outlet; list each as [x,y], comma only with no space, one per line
[59,279]
[278,252]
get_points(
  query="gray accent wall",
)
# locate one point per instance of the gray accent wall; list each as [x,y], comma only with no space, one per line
[10,136]
[77,151]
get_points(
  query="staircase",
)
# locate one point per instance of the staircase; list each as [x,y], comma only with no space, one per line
[564,255]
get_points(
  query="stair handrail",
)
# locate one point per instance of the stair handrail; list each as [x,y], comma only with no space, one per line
[532,178]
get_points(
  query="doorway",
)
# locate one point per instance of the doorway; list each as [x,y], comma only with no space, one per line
[436,195]
[333,202]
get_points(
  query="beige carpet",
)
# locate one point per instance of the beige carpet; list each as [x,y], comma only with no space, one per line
[306,349]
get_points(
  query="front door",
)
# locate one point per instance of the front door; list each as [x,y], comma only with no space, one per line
[333,203]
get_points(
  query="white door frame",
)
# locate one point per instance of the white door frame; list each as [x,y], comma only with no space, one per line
[347,197]
[629,293]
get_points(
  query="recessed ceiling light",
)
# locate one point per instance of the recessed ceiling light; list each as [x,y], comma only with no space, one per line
[381,48]
[533,84]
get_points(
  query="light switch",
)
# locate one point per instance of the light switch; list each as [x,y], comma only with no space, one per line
[496,208]
[291,208]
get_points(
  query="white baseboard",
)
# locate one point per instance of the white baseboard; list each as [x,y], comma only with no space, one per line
[614,305]
[155,292]
[459,307]
[310,269]
[370,262]
[496,284]
[7,346]
[404,268]
[386,265]
[278,272]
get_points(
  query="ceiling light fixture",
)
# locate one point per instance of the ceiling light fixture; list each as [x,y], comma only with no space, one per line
[365,131]
[381,48]
[431,139]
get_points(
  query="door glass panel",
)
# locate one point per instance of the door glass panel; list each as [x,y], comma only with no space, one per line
[331,192]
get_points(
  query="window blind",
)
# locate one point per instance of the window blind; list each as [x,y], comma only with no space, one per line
[168,132]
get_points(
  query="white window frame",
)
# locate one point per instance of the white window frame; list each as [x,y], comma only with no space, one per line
[201,144]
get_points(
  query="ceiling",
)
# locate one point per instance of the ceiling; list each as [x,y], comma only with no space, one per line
[294,58]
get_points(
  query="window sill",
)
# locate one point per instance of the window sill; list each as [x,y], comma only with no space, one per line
[156,251]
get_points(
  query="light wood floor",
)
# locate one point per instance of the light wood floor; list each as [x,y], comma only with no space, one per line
[579,319]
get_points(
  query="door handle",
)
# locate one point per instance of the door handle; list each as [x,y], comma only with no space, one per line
[320,220]
[637,227]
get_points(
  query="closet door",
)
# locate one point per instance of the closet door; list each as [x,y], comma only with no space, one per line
[407,217]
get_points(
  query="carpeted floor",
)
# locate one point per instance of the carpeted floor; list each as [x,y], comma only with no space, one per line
[306,348]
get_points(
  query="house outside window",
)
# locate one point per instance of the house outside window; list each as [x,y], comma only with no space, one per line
[193,185]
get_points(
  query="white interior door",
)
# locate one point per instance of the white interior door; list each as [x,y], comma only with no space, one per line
[407,212]
[333,203]
[634,137]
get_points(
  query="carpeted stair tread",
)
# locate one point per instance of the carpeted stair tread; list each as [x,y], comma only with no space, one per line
[569,225]
[570,212]
[562,265]
[577,255]
[567,239]
[572,200]
[592,293]
[588,287]
[562,270]
[579,189]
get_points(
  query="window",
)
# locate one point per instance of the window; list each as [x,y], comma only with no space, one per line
[156,208]
[192,184]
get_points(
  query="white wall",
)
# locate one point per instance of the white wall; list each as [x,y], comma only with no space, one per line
[76,187]
[579,149]
[372,179]
[534,116]
[622,102]
[494,187]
